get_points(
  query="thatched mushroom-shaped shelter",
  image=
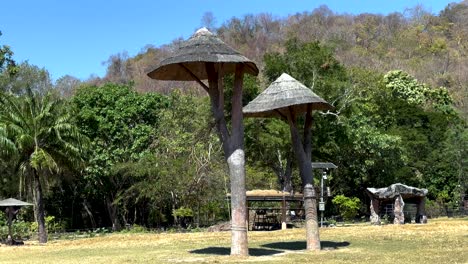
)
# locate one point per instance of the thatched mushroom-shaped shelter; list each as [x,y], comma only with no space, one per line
[204,56]
[12,207]
[286,98]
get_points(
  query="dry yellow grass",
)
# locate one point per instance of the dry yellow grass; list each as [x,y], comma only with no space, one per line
[441,241]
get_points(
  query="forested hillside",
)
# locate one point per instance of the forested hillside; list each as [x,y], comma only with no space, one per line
[146,152]
[432,48]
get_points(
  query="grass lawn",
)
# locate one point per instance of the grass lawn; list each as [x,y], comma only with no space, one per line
[442,240]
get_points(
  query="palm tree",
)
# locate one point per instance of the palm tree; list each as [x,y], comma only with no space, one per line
[38,135]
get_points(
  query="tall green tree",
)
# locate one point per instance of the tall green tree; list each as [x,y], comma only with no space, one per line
[121,125]
[185,168]
[37,133]
[432,133]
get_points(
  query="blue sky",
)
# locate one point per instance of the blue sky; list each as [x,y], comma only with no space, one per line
[76,37]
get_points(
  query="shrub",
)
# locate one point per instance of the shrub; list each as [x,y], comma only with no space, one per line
[20,228]
[183,216]
[348,207]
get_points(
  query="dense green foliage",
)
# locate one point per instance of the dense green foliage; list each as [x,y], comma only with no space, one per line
[121,125]
[348,207]
[154,158]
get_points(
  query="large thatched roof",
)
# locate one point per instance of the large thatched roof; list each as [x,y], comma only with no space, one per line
[283,93]
[13,202]
[193,54]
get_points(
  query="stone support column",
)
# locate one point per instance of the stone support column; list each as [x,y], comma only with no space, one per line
[374,210]
[398,211]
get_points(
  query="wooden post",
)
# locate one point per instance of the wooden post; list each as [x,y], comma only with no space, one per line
[236,162]
[302,150]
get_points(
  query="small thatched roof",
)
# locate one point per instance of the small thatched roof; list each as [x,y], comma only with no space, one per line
[193,54]
[271,195]
[13,202]
[283,93]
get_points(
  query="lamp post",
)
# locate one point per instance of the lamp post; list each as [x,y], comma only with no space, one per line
[322,203]
[323,167]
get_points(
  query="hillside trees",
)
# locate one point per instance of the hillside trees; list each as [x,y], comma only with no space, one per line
[7,64]
[67,85]
[385,129]
[26,77]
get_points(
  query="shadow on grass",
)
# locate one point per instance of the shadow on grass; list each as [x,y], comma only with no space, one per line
[301,245]
[225,251]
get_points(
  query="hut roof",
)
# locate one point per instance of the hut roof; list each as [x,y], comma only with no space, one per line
[13,202]
[283,93]
[271,195]
[192,54]
[397,189]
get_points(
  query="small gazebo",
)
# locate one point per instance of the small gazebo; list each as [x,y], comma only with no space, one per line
[12,207]
[396,195]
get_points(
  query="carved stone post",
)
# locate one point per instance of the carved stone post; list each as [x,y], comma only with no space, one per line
[374,210]
[398,211]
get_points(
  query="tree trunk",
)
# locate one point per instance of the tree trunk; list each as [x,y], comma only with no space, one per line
[112,210]
[284,172]
[233,146]
[90,214]
[40,215]
[287,182]
[302,150]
